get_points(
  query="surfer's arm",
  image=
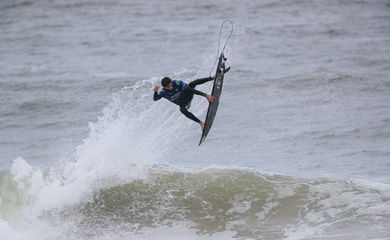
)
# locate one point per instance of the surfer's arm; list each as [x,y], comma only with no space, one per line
[194,91]
[189,114]
[156,96]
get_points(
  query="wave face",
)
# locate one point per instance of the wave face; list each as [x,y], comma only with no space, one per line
[244,203]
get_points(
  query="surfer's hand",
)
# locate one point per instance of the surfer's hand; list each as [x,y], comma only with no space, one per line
[209,98]
[155,87]
[201,125]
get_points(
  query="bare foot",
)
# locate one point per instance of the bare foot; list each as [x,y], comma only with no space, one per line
[201,125]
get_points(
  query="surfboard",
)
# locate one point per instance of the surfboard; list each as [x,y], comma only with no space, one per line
[216,92]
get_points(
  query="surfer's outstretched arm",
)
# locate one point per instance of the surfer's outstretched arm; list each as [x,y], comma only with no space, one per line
[194,91]
[156,96]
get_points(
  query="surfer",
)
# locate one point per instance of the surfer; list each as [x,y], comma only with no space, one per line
[181,94]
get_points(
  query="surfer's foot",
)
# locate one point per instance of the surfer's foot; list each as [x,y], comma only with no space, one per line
[225,70]
[201,125]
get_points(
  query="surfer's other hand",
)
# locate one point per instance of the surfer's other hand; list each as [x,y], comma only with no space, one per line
[210,98]
[155,87]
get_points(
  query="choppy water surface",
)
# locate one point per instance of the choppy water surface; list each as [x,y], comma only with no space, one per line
[299,148]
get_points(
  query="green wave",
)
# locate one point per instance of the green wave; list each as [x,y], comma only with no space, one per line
[10,196]
[251,204]
[248,203]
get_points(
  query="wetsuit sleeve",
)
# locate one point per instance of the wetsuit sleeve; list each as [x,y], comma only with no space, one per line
[156,96]
[194,91]
[189,114]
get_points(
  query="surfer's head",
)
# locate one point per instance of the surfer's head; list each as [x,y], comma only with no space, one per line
[166,82]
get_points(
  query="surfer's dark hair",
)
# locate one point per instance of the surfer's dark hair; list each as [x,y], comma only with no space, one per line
[165,81]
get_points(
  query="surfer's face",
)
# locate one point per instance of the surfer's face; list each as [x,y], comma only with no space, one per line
[169,86]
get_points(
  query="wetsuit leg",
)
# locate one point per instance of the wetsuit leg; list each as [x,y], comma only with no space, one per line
[188,114]
[199,81]
[187,96]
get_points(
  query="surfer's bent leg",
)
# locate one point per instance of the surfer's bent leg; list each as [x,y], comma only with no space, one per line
[188,114]
[199,81]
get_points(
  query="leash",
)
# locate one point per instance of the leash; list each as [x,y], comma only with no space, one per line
[219,42]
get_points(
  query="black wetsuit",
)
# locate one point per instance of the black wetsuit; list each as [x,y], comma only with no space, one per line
[182,94]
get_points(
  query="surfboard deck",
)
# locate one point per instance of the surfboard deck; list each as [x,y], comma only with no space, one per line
[216,92]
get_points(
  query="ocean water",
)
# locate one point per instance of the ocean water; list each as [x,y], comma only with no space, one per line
[299,149]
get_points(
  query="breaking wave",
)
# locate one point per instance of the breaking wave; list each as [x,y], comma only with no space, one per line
[245,203]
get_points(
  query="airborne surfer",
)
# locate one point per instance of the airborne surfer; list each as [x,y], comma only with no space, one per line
[181,94]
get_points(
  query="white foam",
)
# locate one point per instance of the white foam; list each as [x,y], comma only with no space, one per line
[9,233]
[239,205]
[21,169]
[122,145]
